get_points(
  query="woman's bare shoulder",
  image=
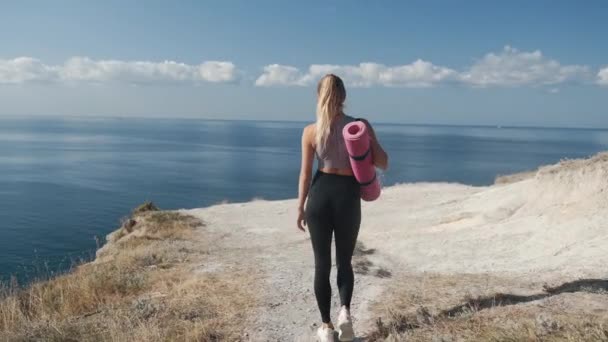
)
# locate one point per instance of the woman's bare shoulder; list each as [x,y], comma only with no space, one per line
[365,121]
[308,133]
[309,129]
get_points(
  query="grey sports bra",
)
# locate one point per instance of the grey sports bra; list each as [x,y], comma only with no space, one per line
[334,154]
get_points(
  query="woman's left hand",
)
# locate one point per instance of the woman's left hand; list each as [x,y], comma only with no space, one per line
[301,219]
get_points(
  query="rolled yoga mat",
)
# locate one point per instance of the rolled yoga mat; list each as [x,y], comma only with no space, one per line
[357,141]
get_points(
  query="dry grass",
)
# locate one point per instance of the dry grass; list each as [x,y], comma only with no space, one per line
[479,308]
[145,207]
[142,287]
[514,178]
[362,264]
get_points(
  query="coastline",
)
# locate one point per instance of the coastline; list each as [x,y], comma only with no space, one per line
[437,246]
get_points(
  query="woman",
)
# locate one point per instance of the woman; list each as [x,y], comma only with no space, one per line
[334,203]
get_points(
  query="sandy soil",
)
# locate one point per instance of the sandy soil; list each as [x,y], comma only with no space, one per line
[548,226]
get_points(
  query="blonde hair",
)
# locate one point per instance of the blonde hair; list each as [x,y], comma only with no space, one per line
[330,102]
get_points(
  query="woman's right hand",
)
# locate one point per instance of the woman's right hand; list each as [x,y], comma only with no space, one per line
[301,219]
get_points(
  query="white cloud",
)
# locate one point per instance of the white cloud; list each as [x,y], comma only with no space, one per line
[25,69]
[511,67]
[417,74]
[283,75]
[218,71]
[83,69]
[508,67]
[602,76]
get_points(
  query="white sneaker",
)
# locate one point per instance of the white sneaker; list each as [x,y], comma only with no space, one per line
[325,334]
[345,326]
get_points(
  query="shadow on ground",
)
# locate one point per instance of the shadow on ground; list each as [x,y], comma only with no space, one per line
[504,299]
[403,323]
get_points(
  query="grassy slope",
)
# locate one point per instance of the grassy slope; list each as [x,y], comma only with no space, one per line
[143,286]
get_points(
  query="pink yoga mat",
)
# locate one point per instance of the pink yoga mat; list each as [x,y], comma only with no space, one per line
[357,142]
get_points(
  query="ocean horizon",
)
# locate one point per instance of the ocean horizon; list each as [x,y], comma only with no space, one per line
[304,122]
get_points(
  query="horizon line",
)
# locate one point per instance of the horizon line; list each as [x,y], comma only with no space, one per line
[480,125]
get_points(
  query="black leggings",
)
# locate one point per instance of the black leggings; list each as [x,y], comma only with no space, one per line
[334,206]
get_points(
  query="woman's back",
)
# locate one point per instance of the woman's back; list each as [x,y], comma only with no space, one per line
[333,154]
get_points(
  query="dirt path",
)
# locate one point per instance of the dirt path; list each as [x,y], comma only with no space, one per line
[261,236]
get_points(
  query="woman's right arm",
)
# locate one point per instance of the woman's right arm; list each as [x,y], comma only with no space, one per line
[305,172]
[378,153]
[305,166]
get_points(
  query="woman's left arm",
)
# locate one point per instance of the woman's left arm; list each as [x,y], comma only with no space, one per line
[305,173]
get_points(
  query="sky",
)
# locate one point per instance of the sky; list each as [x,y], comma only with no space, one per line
[524,63]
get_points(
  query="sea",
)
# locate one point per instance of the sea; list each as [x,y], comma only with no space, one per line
[66,182]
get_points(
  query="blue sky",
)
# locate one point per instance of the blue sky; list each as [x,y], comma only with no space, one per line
[445,62]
